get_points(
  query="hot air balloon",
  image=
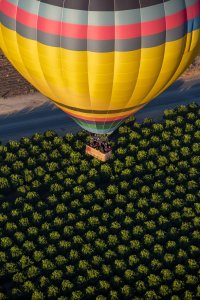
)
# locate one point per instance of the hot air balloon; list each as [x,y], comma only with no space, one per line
[100,61]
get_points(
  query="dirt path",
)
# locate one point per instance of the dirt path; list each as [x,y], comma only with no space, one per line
[18,103]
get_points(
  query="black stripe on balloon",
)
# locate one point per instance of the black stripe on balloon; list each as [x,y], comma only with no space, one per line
[95,45]
[103,5]
[92,111]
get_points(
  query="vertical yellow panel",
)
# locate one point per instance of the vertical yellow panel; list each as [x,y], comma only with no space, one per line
[100,78]
[151,63]
[28,50]
[126,68]
[172,56]
[75,78]
[10,49]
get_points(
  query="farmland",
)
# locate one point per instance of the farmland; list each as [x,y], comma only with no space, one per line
[72,227]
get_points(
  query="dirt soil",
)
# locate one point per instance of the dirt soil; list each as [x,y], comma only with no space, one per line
[11,82]
[19,103]
[193,70]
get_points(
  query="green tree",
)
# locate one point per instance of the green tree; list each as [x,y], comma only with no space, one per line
[167,275]
[192,264]
[156,264]
[38,255]
[93,274]
[10,158]
[140,286]
[53,291]
[75,157]
[144,144]
[77,295]
[84,166]
[51,250]
[169,258]
[87,249]
[175,143]
[164,291]
[5,242]
[134,136]
[143,270]
[57,275]
[16,180]
[171,246]
[180,270]
[106,171]
[47,265]
[37,295]
[104,285]
[90,291]
[43,282]
[18,277]
[177,285]
[66,285]
[126,291]
[16,252]
[16,293]
[120,264]
[3,296]
[112,190]
[5,171]
[129,161]
[191,280]
[28,287]
[132,148]
[153,280]
[33,272]
[129,275]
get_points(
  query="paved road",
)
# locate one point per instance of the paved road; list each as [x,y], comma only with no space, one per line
[26,122]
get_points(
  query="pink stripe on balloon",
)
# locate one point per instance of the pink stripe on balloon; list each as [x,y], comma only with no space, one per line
[100,32]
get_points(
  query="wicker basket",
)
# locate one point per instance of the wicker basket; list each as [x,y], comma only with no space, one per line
[98,154]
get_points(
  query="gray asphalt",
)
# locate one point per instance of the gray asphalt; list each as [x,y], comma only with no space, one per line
[26,123]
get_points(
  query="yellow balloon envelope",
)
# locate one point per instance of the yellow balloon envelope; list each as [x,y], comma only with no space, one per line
[100,61]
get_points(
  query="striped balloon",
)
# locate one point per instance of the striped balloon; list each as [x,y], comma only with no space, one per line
[100,61]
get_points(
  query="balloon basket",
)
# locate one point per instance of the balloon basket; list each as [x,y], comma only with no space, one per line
[98,154]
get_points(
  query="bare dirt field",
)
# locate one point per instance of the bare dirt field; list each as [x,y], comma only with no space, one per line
[193,70]
[11,82]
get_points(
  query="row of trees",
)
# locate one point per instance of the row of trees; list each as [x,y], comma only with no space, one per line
[72,227]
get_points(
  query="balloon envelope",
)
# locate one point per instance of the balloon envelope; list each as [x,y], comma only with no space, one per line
[100,61]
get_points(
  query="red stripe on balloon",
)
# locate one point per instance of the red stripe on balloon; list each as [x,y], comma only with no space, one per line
[100,32]
[96,119]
